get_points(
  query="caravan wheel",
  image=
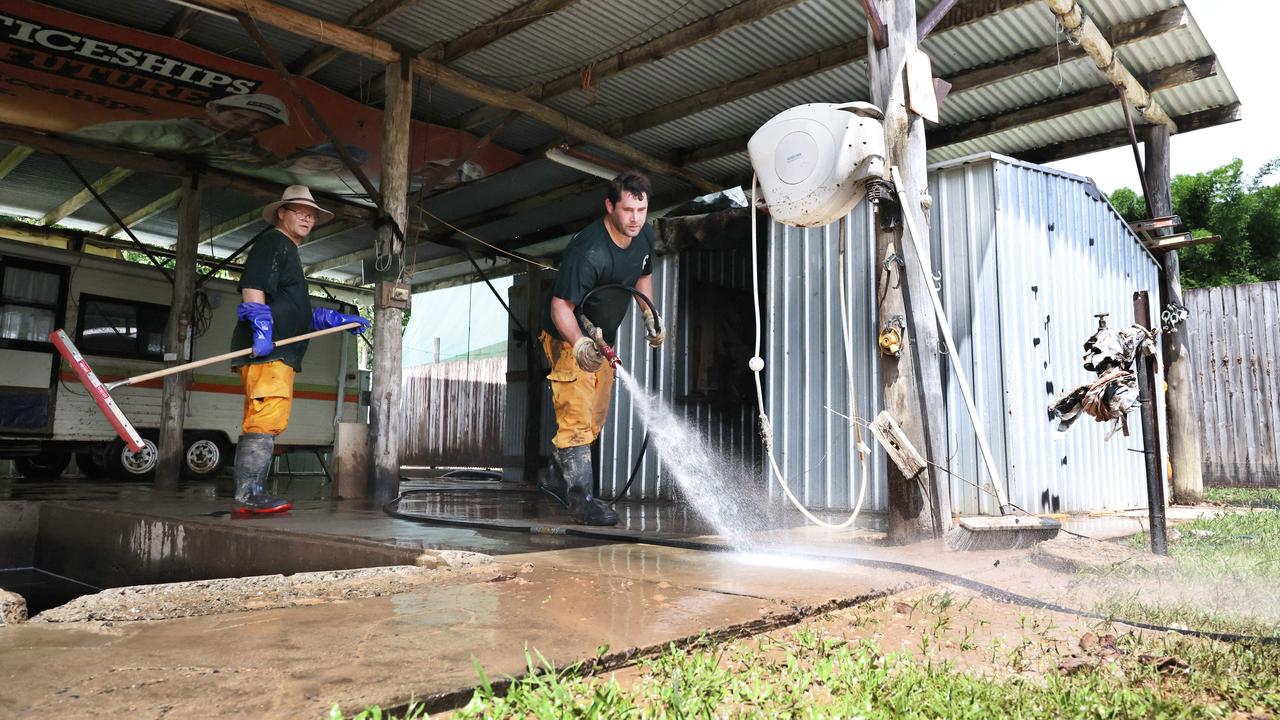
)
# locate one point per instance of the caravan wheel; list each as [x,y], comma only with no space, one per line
[124,465]
[47,465]
[204,459]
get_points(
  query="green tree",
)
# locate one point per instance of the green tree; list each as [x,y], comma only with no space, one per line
[1223,202]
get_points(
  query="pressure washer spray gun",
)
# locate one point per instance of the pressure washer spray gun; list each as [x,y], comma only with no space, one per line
[597,335]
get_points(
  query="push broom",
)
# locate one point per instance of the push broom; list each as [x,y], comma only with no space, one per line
[101,392]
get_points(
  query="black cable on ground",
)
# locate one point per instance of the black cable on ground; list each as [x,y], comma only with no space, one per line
[989,591]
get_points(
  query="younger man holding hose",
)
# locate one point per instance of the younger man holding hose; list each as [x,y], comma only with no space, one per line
[615,249]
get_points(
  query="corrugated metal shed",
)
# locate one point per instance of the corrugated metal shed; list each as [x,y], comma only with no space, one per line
[1027,255]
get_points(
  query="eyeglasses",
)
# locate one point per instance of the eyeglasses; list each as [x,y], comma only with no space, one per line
[302,214]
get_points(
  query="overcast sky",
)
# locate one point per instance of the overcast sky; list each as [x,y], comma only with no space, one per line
[1244,35]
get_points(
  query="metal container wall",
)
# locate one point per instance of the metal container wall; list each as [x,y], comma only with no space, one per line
[805,371]
[1026,256]
[669,373]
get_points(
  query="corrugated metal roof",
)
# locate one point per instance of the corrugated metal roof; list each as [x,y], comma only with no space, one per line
[568,40]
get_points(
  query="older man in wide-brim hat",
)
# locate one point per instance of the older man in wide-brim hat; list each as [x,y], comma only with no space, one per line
[275,304]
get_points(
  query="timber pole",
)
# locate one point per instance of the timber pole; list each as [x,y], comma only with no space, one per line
[910,383]
[1185,473]
[173,402]
[386,419]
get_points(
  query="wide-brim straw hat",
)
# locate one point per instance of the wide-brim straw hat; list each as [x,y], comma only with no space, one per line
[296,195]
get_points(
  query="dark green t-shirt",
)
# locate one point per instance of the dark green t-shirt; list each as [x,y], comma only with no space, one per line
[275,268]
[594,259]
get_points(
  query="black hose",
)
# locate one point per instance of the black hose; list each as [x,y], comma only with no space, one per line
[583,322]
[989,591]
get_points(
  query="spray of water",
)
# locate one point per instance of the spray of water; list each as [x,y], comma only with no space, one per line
[717,488]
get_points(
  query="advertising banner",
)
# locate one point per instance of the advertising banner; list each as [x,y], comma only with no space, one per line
[107,84]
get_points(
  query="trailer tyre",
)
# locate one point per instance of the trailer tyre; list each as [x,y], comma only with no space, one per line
[45,466]
[124,465]
[90,462]
[204,458]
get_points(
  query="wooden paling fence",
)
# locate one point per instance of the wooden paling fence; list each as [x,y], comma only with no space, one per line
[1235,356]
[454,413]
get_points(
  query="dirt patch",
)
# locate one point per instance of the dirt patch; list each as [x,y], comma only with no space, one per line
[227,595]
[1073,554]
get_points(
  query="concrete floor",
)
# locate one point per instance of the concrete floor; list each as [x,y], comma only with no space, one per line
[563,596]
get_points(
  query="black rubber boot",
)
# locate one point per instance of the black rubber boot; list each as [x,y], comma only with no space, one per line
[575,467]
[555,486]
[253,464]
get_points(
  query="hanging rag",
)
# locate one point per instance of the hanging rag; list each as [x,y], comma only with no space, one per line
[1113,393]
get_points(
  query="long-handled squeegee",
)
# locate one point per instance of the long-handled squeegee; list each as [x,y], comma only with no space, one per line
[101,392]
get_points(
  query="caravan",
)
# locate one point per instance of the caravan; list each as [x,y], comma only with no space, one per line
[116,313]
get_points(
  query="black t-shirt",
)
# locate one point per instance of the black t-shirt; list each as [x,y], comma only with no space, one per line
[594,259]
[275,268]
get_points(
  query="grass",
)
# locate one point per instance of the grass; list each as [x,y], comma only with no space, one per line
[806,673]
[1225,576]
[1244,497]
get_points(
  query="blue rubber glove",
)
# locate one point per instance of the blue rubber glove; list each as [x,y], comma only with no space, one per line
[323,318]
[259,318]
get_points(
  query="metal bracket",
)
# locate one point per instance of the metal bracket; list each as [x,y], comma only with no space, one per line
[883,195]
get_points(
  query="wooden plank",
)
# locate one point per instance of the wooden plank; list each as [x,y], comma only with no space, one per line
[376,49]
[109,180]
[151,209]
[13,159]
[1271,353]
[1170,243]
[143,162]
[1256,360]
[1212,117]
[1049,56]
[363,19]
[181,23]
[1162,79]
[931,20]
[1081,27]
[497,28]
[227,227]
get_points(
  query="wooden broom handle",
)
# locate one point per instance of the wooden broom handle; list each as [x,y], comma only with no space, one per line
[225,356]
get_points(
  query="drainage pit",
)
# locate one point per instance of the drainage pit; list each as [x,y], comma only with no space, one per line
[54,552]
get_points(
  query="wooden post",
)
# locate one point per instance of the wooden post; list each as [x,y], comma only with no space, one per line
[535,381]
[1185,473]
[386,421]
[911,384]
[177,338]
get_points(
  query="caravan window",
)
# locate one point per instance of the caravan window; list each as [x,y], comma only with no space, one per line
[127,328]
[30,302]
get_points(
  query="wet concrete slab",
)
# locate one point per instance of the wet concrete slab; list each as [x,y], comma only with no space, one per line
[296,662]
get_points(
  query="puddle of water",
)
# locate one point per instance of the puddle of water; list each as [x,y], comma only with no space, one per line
[42,590]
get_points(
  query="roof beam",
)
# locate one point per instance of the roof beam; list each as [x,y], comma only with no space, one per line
[495,29]
[181,23]
[1049,56]
[931,20]
[376,49]
[743,13]
[109,180]
[226,227]
[1161,79]
[1054,107]
[1220,115]
[819,62]
[145,162]
[366,17]
[1082,28]
[151,209]
[13,159]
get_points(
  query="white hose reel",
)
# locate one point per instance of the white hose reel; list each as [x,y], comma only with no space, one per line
[813,160]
